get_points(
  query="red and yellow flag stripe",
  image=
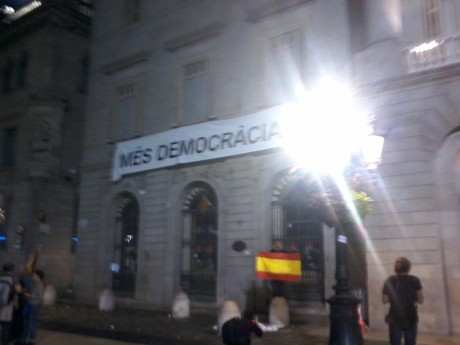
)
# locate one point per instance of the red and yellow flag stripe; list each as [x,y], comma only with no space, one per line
[279,266]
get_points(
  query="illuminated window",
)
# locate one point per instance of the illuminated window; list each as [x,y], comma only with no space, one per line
[195,92]
[124,266]
[199,242]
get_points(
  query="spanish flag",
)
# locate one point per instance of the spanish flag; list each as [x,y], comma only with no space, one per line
[279,266]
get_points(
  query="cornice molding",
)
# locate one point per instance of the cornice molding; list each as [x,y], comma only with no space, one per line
[412,80]
[64,17]
[194,37]
[127,61]
[259,13]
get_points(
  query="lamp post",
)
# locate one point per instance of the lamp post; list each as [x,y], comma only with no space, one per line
[344,319]
[336,116]
[345,329]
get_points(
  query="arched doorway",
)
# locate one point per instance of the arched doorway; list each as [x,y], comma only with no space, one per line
[124,266]
[199,242]
[297,226]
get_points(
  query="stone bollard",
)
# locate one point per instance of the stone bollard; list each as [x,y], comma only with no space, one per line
[228,310]
[49,296]
[279,312]
[181,306]
[106,300]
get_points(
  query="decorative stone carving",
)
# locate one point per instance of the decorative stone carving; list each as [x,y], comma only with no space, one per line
[45,141]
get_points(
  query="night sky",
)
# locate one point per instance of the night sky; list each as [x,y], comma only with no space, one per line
[16,4]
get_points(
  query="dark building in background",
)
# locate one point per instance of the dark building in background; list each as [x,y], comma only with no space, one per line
[44,59]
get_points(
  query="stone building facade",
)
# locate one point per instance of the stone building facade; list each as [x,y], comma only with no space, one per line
[183,181]
[42,98]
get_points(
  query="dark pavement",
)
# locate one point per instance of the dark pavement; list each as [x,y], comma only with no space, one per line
[72,323]
[156,327]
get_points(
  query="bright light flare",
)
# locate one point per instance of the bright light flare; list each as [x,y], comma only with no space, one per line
[371,150]
[424,47]
[323,130]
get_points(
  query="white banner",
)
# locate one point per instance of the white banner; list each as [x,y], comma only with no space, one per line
[210,140]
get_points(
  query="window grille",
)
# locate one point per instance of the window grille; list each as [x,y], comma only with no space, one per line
[295,224]
[124,266]
[199,242]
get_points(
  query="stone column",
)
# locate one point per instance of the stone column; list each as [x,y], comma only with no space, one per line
[382,57]
[383,18]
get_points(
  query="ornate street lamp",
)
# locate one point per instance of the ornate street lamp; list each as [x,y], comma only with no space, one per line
[345,328]
[340,196]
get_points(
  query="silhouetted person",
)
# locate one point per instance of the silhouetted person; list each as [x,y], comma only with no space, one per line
[6,310]
[33,302]
[238,331]
[403,291]
[278,286]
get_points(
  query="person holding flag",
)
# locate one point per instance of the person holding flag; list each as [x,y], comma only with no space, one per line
[279,266]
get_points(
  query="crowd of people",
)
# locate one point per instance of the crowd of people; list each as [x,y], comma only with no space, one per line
[21,295]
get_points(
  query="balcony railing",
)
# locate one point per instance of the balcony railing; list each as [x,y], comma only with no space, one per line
[438,52]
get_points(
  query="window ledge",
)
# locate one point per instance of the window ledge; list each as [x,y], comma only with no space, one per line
[194,37]
[261,12]
[127,61]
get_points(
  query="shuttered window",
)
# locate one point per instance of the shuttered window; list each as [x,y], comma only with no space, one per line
[195,92]
[433,16]
[285,68]
[125,114]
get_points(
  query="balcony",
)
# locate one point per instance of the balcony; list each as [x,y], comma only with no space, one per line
[436,53]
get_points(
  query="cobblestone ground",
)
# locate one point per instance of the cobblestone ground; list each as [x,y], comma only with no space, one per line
[157,328]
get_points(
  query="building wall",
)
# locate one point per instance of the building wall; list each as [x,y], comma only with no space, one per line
[48,111]
[159,46]
[414,211]
[418,115]
[412,216]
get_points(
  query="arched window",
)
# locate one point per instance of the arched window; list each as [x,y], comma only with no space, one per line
[295,224]
[124,266]
[199,241]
